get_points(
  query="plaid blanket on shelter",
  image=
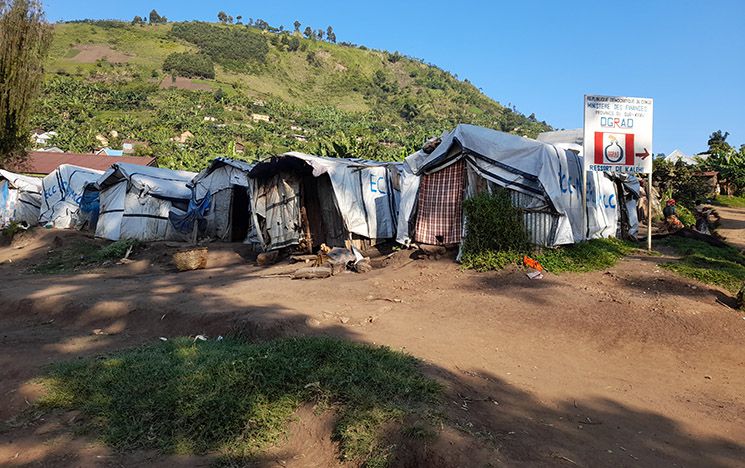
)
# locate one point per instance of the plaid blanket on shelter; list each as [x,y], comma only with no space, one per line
[439,215]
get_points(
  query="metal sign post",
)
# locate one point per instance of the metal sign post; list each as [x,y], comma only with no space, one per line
[618,138]
[649,211]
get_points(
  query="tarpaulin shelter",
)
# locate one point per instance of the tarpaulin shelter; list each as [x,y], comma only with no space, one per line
[543,180]
[20,199]
[302,199]
[63,191]
[135,202]
[229,217]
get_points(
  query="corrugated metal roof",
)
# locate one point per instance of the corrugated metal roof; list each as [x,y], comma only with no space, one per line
[39,162]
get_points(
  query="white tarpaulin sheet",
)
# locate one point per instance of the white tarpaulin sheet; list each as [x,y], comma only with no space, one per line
[277,201]
[364,190]
[20,199]
[136,200]
[62,191]
[220,179]
[551,175]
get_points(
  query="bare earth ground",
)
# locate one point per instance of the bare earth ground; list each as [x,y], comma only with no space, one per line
[90,53]
[632,366]
[732,225]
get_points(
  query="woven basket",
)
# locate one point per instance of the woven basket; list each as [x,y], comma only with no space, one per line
[192,259]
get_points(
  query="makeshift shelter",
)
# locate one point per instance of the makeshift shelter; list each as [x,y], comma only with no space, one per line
[299,199]
[544,181]
[62,193]
[135,202]
[20,199]
[229,216]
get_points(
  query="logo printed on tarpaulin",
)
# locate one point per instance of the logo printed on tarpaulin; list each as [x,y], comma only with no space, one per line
[614,148]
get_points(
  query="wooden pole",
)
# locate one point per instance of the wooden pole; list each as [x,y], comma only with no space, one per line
[584,169]
[649,211]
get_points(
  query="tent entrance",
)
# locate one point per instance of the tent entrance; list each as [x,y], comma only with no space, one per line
[239,214]
[321,219]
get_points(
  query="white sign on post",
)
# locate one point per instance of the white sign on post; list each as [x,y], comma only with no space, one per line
[618,134]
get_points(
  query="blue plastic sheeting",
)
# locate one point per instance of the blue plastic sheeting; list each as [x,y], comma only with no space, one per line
[196,212]
[90,203]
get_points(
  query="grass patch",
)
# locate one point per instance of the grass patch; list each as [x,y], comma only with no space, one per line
[11,230]
[235,398]
[82,254]
[724,267]
[730,202]
[593,255]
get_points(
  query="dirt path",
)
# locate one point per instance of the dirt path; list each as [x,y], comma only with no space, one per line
[732,225]
[632,366]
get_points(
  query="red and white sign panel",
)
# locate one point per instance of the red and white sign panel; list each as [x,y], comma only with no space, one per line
[618,134]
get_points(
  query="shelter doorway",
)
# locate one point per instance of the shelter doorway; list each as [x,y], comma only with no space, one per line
[321,219]
[239,214]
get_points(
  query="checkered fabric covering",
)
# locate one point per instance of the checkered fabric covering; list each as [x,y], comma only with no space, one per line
[439,215]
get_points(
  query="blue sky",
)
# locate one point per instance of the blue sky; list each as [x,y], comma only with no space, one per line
[541,56]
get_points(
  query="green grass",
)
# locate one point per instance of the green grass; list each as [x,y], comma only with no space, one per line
[81,254]
[11,230]
[724,267]
[731,202]
[234,399]
[593,255]
[491,259]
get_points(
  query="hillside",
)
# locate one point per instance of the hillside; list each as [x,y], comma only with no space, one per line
[248,92]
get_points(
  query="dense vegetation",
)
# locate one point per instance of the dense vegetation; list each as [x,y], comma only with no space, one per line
[320,97]
[236,48]
[235,398]
[24,42]
[189,65]
[684,182]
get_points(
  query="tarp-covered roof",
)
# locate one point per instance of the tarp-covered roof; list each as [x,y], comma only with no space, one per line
[155,181]
[513,161]
[62,191]
[219,162]
[22,182]
[319,165]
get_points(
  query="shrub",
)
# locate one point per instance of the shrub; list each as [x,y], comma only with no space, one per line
[495,234]
[493,223]
[189,65]
[680,180]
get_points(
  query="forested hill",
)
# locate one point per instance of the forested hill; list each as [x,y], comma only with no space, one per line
[249,91]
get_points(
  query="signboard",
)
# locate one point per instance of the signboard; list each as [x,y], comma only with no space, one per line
[618,134]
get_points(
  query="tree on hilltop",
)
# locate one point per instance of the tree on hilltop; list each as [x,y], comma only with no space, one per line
[297,24]
[155,18]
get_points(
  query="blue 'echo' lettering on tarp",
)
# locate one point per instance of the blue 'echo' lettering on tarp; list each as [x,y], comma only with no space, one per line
[69,193]
[375,184]
[569,184]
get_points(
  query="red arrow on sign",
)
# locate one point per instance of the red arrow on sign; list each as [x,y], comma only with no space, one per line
[643,155]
